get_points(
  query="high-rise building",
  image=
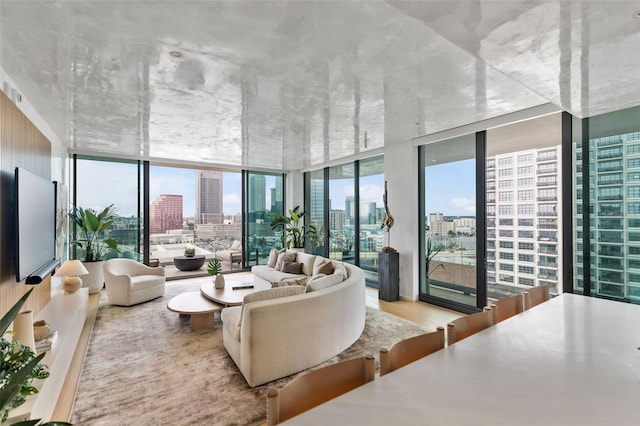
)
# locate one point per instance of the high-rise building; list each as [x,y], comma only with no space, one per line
[258,193]
[165,213]
[317,201]
[614,226]
[523,230]
[368,213]
[208,197]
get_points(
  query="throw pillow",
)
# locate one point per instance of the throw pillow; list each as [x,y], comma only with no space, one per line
[273,258]
[302,281]
[291,267]
[285,257]
[340,269]
[322,266]
[324,282]
[315,277]
[236,245]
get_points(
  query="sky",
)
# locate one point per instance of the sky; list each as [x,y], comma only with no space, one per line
[451,188]
[117,183]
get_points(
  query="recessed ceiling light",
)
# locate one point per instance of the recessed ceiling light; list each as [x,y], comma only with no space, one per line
[636,14]
[175,54]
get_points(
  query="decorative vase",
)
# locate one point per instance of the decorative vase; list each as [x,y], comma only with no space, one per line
[23,329]
[95,279]
[219,281]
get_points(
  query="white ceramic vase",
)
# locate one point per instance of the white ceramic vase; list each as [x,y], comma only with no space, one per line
[219,281]
[95,279]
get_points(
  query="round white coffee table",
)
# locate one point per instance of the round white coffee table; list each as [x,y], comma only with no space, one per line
[233,292]
[199,308]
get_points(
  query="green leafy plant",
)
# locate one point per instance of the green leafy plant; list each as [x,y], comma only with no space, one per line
[430,252]
[90,226]
[214,267]
[189,252]
[18,367]
[293,231]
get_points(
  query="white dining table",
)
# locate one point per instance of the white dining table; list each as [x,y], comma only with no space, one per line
[573,360]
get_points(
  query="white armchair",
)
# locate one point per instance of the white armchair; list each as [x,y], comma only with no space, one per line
[129,282]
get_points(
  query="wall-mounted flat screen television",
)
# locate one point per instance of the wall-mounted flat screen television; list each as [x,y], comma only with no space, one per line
[35,226]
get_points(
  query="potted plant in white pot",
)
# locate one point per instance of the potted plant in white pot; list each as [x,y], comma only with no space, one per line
[214,267]
[90,226]
[293,231]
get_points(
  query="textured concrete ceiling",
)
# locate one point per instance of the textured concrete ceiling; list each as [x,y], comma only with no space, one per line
[293,84]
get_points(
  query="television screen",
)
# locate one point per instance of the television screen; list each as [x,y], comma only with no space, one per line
[35,227]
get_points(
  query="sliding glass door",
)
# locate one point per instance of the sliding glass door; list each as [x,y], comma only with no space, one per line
[449,243]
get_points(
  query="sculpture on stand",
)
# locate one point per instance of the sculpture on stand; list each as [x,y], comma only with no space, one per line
[387,223]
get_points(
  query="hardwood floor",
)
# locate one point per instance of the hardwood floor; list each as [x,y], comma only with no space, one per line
[419,312]
[422,313]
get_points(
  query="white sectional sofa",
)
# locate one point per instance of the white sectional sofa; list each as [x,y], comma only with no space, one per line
[274,338]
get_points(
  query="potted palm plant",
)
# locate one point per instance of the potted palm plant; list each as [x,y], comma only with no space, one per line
[214,267]
[94,248]
[293,231]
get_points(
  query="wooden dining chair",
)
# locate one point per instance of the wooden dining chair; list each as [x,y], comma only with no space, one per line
[317,386]
[465,326]
[535,296]
[506,308]
[408,350]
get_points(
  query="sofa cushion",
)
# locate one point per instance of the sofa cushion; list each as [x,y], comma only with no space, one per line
[291,267]
[340,269]
[291,281]
[270,274]
[289,256]
[324,282]
[322,265]
[307,261]
[235,245]
[231,320]
[273,257]
[315,277]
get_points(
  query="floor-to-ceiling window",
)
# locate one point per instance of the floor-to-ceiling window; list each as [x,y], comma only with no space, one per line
[524,183]
[315,210]
[371,235]
[264,193]
[345,204]
[607,180]
[342,212]
[101,182]
[194,208]
[449,242]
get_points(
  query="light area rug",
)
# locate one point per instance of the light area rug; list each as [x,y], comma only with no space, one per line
[145,366]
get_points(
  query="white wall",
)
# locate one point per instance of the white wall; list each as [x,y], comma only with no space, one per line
[401,173]
[294,191]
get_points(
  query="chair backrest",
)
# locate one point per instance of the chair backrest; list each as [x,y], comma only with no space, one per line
[409,350]
[535,296]
[119,266]
[465,326]
[317,386]
[506,308]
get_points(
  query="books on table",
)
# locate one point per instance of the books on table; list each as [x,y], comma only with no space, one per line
[47,343]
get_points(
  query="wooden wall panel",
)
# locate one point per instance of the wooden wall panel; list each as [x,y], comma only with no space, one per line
[21,145]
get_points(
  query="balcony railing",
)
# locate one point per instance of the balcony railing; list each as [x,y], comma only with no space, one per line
[549,157]
[610,182]
[547,213]
[610,169]
[610,197]
[548,265]
[610,155]
[542,226]
[554,198]
[610,213]
[547,171]
[547,251]
[554,183]
[609,142]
